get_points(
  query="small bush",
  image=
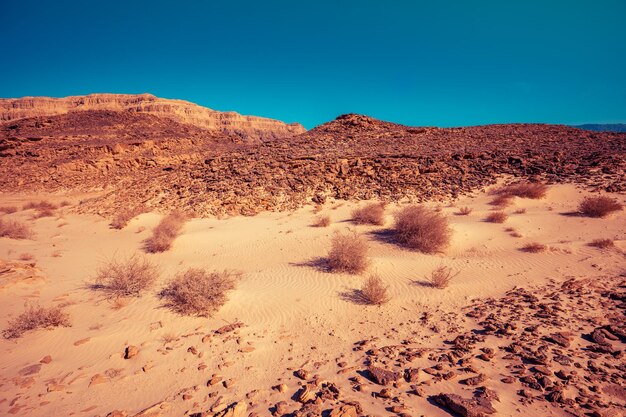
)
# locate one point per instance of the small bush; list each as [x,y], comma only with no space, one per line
[198,292]
[165,233]
[421,229]
[464,211]
[321,221]
[126,278]
[441,277]
[501,200]
[8,209]
[374,292]
[600,206]
[497,217]
[602,243]
[14,229]
[348,253]
[520,211]
[532,190]
[534,247]
[36,317]
[26,257]
[41,205]
[373,213]
[123,217]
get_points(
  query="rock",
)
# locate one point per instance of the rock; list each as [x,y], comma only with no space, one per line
[98,379]
[473,381]
[385,393]
[130,352]
[303,374]
[475,407]
[46,359]
[117,413]
[154,410]
[234,410]
[30,370]
[306,394]
[411,375]
[344,411]
[382,376]
[281,408]
[229,328]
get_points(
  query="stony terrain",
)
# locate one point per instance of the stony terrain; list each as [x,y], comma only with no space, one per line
[138,158]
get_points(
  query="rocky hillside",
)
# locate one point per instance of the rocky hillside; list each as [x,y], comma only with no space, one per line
[183,112]
[352,157]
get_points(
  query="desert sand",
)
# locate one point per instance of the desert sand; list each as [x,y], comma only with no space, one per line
[290,315]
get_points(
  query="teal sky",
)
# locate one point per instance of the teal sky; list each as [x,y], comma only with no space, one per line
[435,63]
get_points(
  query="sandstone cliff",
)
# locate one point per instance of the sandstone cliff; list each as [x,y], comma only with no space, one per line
[184,112]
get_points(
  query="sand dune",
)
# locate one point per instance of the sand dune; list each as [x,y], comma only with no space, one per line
[294,313]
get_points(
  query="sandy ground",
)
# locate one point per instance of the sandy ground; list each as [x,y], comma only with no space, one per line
[294,314]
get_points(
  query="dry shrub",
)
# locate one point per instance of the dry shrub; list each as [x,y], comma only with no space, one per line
[532,190]
[374,291]
[8,209]
[122,217]
[534,247]
[43,208]
[198,292]
[600,206]
[421,229]
[441,277]
[520,211]
[373,213]
[464,211]
[321,221]
[14,229]
[497,217]
[40,205]
[65,203]
[501,200]
[602,243]
[165,233]
[348,253]
[126,278]
[36,317]
[26,257]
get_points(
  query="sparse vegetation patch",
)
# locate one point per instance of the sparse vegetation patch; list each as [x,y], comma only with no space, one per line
[126,278]
[348,253]
[497,217]
[199,292]
[374,291]
[165,233]
[422,229]
[600,206]
[14,229]
[373,213]
[36,317]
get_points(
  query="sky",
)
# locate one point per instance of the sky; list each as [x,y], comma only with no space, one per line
[420,63]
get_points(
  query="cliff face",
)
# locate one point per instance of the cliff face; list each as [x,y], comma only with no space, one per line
[230,123]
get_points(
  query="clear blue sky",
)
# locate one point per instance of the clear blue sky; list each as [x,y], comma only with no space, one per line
[444,63]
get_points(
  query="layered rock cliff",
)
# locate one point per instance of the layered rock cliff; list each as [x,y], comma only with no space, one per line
[184,112]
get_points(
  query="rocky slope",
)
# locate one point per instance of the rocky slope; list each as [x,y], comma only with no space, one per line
[352,157]
[184,112]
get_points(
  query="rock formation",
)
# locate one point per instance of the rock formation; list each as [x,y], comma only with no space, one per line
[183,112]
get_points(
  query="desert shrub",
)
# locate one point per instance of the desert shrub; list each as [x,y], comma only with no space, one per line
[127,277]
[441,277]
[520,211]
[65,203]
[373,213]
[14,229]
[124,216]
[374,291]
[464,211]
[421,229]
[8,209]
[600,206]
[532,190]
[40,205]
[501,200]
[321,221]
[534,247]
[348,253]
[165,233]
[36,317]
[497,217]
[26,256]
[198,292]
[602,243]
